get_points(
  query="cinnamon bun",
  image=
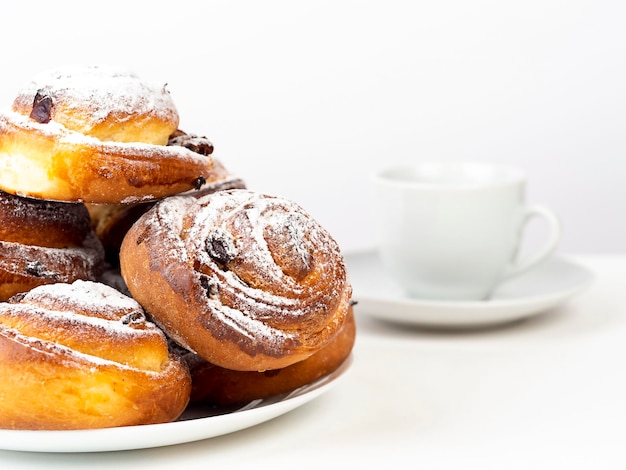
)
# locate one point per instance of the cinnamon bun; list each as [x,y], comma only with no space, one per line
[248,281]
[95,134]
[83,356]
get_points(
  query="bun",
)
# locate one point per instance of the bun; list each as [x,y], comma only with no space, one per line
[81,356]
[43,242]
[247,281]
[95,134]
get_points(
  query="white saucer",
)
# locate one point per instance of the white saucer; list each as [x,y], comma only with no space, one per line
[549,285]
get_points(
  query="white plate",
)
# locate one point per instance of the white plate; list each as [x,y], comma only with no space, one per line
[549,285]
[194,425]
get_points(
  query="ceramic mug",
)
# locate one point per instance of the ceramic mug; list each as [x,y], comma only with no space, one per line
[452,231]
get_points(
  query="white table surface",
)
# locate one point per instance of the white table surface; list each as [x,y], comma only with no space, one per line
[545,393]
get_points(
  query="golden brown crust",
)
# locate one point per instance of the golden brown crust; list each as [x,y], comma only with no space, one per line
[223,387]
[43,242]
[83,356]
[95,135]
[247,281]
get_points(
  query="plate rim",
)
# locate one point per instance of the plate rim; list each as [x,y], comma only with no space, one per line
[166,434]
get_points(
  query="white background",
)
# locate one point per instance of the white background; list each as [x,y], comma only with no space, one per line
[305,99]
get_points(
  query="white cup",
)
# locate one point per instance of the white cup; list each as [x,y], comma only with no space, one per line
[452,231]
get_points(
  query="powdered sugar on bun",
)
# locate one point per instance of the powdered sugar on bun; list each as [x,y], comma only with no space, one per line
[246,280]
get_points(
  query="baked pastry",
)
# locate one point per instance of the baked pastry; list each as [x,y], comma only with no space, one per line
[247,281]
[82,356]
[112,221]
[43,242]
[95,134]
[215,385]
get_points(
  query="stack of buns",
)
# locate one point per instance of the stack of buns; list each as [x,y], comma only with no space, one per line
[138,276]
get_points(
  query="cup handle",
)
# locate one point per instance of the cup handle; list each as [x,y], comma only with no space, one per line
[554,227]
